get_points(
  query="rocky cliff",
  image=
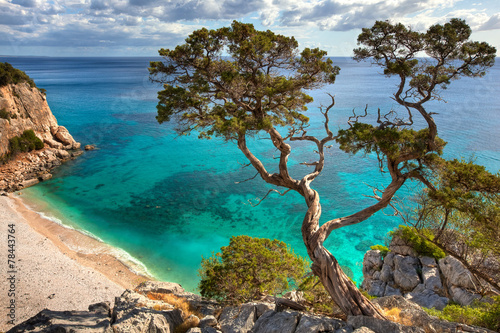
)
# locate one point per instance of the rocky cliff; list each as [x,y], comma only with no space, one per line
[24,107]
[165,307]
[426,281]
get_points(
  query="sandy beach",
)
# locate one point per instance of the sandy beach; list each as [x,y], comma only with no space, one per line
[52,266]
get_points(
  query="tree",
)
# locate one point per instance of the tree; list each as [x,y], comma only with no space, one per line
[249,267]
[260,87]
[461,215]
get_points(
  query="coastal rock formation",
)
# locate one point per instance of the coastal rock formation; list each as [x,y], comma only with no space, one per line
[25,108]
[423,280]
[148,309]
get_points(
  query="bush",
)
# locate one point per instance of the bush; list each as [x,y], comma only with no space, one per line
[4,114]
[28,141]
[382,248]
[9,74]
[420,244]
[248,268]
[478,314]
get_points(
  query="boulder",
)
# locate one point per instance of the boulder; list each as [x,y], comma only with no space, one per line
[376,288]
[456,274]
[401,247]
[405,272]
[390,291]
[90,147]
[63,154]
[462,296]
[62,134]
[159,287]
[238,319]
[210,321]
[386,274]
[427,298]
[29,182]
[276,322]
[315,324]
[380,325]
[372,262]
[430,274]
[67,322]
[363,330]
[414,314]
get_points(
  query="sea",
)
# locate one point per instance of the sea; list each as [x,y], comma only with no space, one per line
[164,201]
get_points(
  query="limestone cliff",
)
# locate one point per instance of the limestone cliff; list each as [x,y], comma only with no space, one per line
[22,108]
[28,109]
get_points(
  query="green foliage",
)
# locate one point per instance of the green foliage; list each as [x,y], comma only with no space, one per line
[482,314]
[391,142]
[316,296]
[11,75]
[382,248]
[420,244]
[237,80]
[28,141]
[248,268]
[4,114]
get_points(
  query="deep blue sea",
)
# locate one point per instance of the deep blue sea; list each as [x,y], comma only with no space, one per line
[166,201]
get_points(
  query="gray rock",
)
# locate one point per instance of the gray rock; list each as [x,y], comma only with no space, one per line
[390,291]
[208,321]
[363,330]
[315,324]
[456,274]
[194,330]
[276,322]
[428,299]
[428,261]
[209,329]
[134,313]
[159,287]
[462,296]
[412,313]
[389,259]
[405,272]
[401,247]
[345,329]
[66,322]
[238,319]
[382,326]
[377,288]
[372,262]
[432,279]
[386,274]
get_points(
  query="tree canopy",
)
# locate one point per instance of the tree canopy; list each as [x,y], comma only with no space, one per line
[237,80]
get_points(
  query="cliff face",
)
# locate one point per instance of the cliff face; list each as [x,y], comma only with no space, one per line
[28,109]
[24,108]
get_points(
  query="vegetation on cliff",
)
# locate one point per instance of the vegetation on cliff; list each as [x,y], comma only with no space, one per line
[11,75]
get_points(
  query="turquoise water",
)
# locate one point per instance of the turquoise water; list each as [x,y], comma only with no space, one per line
[169,200]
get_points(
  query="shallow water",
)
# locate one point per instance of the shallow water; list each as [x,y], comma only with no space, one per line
[169,200]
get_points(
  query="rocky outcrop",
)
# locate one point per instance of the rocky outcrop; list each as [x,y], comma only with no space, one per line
[25,108]
[148,309]
[422,280]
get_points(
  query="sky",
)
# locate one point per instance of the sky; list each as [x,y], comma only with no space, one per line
[141,27]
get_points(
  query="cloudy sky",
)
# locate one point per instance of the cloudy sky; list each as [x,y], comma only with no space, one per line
[141,27]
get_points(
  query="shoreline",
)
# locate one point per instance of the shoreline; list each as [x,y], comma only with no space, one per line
[56,267]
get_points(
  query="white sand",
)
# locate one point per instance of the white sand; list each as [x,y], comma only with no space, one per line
[48,273]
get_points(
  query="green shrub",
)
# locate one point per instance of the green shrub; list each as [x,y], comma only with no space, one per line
[382,248]
[28,141]
[478,314]
[248,268]
[9,74]
[4,114]
[316,296]
[420,244]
